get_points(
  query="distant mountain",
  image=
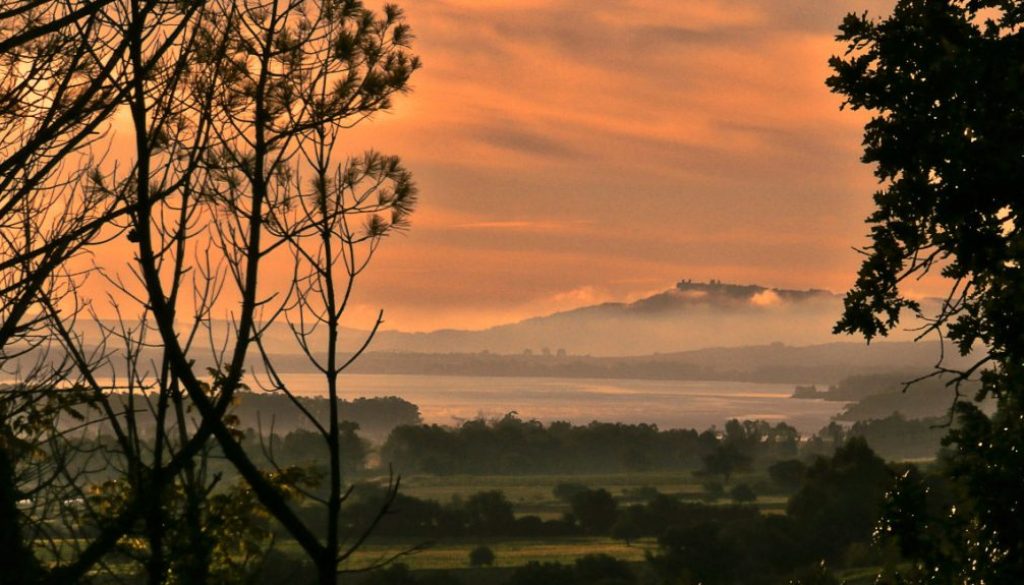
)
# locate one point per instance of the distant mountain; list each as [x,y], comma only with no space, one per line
[690,316]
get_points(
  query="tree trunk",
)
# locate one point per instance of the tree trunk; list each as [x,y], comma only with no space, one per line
[20,566]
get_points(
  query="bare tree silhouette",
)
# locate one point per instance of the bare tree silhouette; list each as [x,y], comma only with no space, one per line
[232,105]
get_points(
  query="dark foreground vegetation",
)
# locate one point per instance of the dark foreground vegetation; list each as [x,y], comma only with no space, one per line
[833,525]
[764,504]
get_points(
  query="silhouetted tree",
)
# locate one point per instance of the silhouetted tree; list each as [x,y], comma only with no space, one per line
[489,513]
[67,69]
[602,569]
[742,494]
[788,474]
[626,527]
[231,106]
[698,553]
[595,510]
[481,556]
[944,84]
[726,460]
[566,491]
[841,498]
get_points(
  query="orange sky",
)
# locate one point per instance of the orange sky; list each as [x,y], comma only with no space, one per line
[571,151]
[577,151]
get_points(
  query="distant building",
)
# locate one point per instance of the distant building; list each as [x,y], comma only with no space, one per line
[717,288]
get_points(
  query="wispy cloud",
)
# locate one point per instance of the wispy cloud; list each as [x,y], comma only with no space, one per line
[567,144]
[523,226]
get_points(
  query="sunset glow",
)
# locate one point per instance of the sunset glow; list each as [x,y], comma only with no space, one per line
[568,154]
[614,148]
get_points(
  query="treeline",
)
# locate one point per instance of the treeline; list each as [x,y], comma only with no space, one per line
[896,437]
[512,445]
[271,413]
[383,431]
[376,416]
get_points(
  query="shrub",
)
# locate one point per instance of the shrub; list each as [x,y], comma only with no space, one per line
[481,556]
[742,494]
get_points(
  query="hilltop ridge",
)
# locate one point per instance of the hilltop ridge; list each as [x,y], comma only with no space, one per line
[689,316]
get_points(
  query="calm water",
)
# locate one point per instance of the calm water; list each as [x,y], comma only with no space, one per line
[669,404]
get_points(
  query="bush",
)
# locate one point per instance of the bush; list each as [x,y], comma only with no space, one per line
[595,510]
[713,490]
[489,513]
[788,474]
[481,556]
[602,569]
[626,529]
[742,494]
[534,573]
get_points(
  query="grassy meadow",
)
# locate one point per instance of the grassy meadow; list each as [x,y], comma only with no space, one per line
[534,495]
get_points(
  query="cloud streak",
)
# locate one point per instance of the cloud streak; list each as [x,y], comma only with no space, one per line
[569,145]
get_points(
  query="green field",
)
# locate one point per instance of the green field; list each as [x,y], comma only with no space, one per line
[533,494]
[454,553]
[533,488]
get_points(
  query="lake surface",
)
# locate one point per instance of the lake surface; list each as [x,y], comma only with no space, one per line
[669,404]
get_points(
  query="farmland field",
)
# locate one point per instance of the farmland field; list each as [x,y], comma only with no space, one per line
[454,553]
[533,494]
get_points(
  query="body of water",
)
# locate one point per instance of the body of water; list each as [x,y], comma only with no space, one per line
[669,404]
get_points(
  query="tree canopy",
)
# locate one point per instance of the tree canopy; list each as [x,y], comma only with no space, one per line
[944,82]
[199,141]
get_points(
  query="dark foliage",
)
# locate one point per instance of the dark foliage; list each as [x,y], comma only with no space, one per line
[399,574]
[481,556]
[788,475]
[595,510]
[588,570]
[841,498]
[512,445]
[742,494]
[944,83]
[838,505]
